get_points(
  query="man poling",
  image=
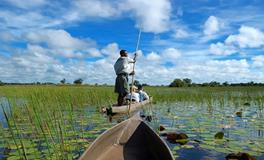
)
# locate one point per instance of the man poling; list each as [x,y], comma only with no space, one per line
[122,71]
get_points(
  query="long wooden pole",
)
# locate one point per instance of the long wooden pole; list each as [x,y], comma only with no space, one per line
[133,76]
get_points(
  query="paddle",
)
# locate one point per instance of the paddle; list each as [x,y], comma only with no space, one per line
[133,76]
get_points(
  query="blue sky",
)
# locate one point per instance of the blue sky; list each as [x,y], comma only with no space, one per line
[205,40]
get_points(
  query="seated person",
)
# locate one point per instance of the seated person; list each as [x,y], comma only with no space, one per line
[142,94]
[135,95]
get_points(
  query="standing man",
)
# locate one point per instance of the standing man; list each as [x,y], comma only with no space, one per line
[122,71]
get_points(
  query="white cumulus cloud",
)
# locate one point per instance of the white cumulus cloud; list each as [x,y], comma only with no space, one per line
[150,16]
[63,43]
[153,56]
[222,49]
[171,54]
[248,37]
[258,61]
[55,39]
[180,33]
[25,20]
[111,49]
[94,52]
[211,26]
[92,8]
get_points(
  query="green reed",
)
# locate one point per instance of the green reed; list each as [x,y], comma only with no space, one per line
[49,122]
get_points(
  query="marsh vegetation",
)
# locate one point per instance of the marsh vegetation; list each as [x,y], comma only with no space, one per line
[59,122]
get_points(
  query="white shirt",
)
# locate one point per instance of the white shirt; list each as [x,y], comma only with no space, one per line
[122,65]
[135,96]
[143,96]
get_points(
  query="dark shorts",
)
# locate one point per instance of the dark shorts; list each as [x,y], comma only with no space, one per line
[121,84]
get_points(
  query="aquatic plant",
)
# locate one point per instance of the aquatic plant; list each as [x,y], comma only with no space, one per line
[59,122]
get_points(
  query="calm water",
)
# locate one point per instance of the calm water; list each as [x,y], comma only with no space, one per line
[199,121]
[3,105]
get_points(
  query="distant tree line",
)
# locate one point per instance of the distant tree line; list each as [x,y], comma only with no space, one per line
[78,81]
[32,83]
[186,82]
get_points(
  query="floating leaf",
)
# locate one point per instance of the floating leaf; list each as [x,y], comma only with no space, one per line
[187,146]
[219,135]
[176,148]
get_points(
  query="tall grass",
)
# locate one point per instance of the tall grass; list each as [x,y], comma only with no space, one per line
[42,119]
[50,122]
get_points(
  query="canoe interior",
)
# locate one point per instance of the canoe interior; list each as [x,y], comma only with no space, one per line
[145,145]
[132,139]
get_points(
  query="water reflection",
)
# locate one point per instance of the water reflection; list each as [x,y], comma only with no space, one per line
[4,106]
[201,122]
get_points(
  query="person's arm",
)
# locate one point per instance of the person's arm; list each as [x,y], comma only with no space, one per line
[146,96]
[130,60]
[132,73]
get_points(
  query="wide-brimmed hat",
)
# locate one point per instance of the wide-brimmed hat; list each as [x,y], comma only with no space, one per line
[134,88]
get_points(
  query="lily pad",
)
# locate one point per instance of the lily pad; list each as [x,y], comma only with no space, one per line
[219,135]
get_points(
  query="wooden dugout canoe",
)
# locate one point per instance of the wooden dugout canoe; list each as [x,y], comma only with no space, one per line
[131,139]
[133,107]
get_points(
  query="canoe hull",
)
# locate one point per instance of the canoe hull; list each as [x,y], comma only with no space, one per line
[131,139]
[133,107]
